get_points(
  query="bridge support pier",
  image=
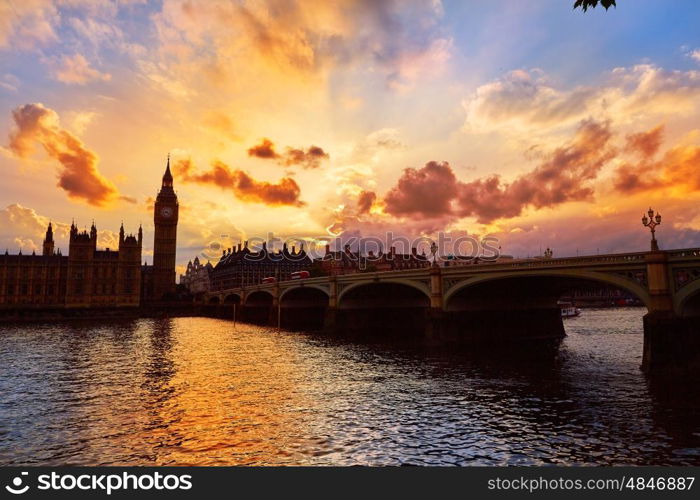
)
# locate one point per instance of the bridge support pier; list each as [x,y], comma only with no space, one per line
[671,343]
[329,319]
[274,318]
[435,326]
[496,326]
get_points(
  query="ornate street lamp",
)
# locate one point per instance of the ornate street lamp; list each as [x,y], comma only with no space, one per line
[433,250]
[651,221]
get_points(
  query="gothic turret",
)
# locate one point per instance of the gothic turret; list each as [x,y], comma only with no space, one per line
[48,241]
[93,235]
[167,176]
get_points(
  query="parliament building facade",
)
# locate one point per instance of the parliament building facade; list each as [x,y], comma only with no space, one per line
[92,278]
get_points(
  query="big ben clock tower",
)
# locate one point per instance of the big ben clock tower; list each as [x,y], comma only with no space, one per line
[165,240]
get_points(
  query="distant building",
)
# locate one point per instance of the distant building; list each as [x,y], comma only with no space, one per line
[87,277]
[345,261]
[197,277]
[240,267]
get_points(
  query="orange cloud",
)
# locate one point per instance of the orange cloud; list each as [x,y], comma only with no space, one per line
[79,176]
[265,150]
[309,158]
[645,144]
[563,176]
[246,188]
[365,201]
[679,169]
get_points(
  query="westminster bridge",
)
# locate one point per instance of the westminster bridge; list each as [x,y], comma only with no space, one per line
[494,302]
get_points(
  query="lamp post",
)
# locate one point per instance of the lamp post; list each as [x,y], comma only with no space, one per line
[651,221]
[433,250]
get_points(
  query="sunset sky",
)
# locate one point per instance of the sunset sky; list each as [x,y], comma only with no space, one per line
[530,121]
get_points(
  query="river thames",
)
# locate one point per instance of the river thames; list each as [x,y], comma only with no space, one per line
[197,391]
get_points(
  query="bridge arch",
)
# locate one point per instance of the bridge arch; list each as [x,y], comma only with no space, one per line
[387,308]
[214,300]
[572,276]
[501,307]
[686,301]
[259,296]
[302,286]
[258,307]
[233,298]
[395,281]
[303,306]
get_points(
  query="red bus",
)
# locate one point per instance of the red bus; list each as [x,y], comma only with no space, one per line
[270,279]
[297,275]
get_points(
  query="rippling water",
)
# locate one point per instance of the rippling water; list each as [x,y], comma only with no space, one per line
[197,391]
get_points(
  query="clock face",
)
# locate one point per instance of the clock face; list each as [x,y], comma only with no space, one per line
[166,212]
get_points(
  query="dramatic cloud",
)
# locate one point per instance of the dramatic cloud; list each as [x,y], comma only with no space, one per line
[79,176]
[426,192]
[646,144]
[265,150]
[309,158]
[284,192]
[678,169]
[77,70]
[365,201]
[562,175]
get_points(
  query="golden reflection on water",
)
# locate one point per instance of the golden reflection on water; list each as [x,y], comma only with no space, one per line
[196,396]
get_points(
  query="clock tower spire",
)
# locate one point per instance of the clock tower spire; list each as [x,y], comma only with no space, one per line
[165,215]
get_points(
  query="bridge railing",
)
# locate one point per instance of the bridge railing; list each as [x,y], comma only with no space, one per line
[621,258]
[627,258]
[684,253]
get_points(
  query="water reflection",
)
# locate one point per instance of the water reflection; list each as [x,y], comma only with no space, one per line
[199,391]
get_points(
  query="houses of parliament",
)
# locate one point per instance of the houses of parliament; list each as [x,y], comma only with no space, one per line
[91,278]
